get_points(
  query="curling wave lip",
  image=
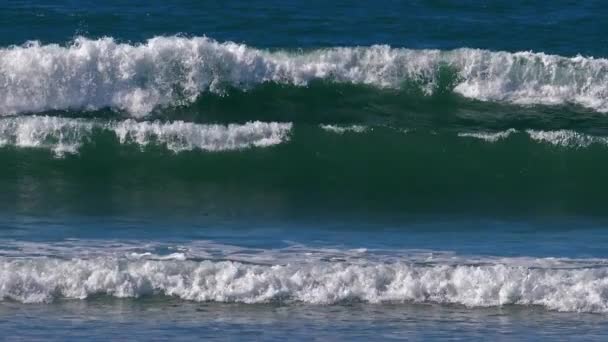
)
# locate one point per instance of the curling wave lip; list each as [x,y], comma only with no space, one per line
[168,71]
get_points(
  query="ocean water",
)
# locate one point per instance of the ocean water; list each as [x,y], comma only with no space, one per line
[271,170]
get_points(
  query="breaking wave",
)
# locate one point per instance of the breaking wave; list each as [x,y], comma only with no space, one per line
[170,71]
[43,279]
[63,135]
[66,135]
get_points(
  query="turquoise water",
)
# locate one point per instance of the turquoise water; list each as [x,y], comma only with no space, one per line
[281,169]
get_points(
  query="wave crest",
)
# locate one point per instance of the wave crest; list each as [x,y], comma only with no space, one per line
[167,71]
[66,135]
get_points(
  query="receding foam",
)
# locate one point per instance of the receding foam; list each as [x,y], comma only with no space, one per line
[165,71]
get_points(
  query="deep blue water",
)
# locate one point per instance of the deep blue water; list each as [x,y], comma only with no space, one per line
[239,170]
[565,27]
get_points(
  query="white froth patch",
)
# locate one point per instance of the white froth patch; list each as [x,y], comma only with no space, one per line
[93,74]
[66,135]
[488,136]
[43,280]
[531,78]
[566,138]
[60,135]
[185,136]
[343,129]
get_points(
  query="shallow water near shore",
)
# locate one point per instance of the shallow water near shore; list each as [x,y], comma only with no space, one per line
[152,319]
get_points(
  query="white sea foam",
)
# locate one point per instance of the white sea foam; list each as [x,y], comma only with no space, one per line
[33,280]
[66,135]
[489,136]
[185,136]
[564,138]
[33,272]
[567,138]
[58,134]
[343,129]
[92,74]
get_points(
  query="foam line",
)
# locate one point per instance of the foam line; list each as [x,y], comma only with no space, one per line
[34,280]
[66,135]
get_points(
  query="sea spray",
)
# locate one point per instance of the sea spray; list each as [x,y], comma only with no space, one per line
[171,71]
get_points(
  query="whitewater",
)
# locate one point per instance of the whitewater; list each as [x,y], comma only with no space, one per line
[82,269]
[66,135]
[90,74]
[63,135]
[287,170]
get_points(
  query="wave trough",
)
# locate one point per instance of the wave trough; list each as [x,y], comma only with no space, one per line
[170,71]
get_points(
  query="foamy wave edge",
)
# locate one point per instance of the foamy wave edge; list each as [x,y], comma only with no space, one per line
[38,280]
[563,138]
[344,129]
[164,71]
[67,135]
[63,135]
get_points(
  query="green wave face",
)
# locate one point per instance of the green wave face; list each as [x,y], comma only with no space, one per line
[406,108]
[306,169]
[194,124]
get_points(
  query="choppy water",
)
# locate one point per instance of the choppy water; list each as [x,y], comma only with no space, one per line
[307,170]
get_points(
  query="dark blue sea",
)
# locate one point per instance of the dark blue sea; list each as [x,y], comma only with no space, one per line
[303,170]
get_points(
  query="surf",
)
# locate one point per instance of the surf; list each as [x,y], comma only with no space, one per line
[168,71]
[568,287]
